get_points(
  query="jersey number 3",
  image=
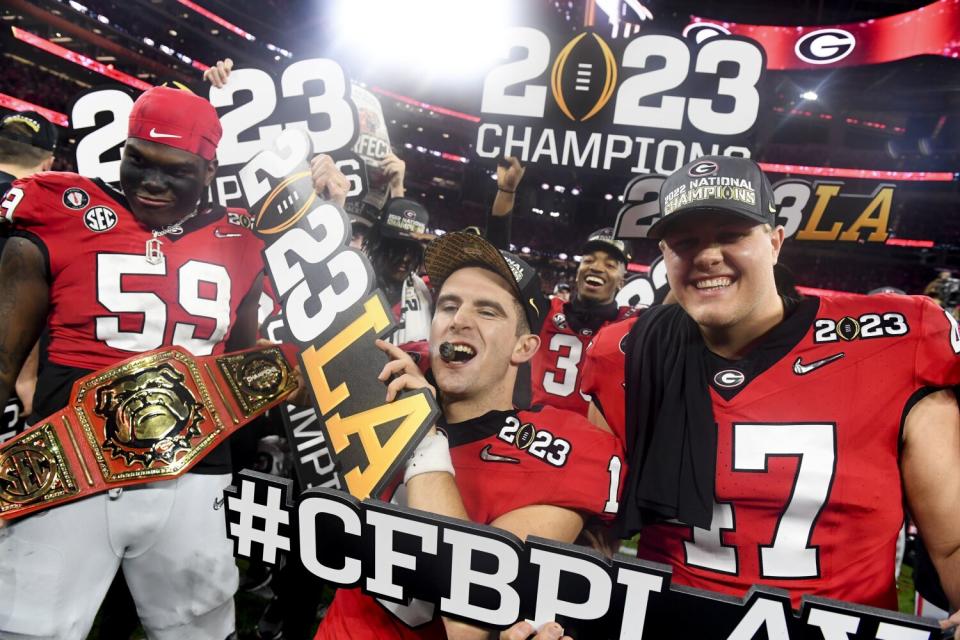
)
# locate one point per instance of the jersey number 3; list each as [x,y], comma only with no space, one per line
[111,269]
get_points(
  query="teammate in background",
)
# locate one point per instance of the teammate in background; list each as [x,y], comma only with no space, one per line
[799,422]
[562,291]
[570,326]
[394,247]
[489,310]
[27,143]
[115,274]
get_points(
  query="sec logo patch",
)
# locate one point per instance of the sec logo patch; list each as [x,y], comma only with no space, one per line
[100,219]
[75,198]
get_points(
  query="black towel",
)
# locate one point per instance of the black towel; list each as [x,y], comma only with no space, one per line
[671,430]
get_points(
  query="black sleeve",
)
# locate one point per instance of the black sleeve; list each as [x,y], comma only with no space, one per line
[498,231]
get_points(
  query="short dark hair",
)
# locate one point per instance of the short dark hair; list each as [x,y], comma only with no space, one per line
[523,326]
[19,153]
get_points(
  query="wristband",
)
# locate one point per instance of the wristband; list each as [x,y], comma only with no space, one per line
[432,454]
[506,190]
[151,417]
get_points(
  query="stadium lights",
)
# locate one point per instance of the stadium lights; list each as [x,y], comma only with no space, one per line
[525,250]
[554,214]
[608,196]
[560,188]
[545,186]
[562,256]
[449,39]
[809,95]
[575,191]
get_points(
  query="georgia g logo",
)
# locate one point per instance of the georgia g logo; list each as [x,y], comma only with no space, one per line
[825,46]
[705,168]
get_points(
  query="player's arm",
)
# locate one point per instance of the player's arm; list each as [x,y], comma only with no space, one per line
[509,174]
[244,334]
[27,380]
[930,466]
[595,416]
[24,302]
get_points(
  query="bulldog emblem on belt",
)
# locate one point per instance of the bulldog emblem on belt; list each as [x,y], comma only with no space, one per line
[150,415]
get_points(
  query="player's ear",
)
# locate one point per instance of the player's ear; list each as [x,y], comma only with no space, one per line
[525,348]
[776,241]
[211,172]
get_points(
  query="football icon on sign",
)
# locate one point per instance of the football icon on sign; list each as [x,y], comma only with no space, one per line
[584,77]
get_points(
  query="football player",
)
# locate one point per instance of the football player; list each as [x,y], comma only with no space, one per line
[488,313]
[113,274]
[802,425]
[570,326]
[27,143]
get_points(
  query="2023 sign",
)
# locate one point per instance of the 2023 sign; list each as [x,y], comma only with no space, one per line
[310,95]
[599,116]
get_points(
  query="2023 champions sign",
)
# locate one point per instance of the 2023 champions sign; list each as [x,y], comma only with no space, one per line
[332,312]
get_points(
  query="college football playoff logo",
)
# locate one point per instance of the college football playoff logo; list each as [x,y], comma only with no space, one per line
[592,74]
[150,416]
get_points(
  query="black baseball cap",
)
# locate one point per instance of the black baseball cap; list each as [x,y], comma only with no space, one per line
[40,132]
[716,183]
[461,249]
[403,219]
[605,239]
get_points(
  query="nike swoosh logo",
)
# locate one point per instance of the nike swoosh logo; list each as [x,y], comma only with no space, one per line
[155,134]
[486,456]
[221,234]
[534,305]
[802,369]
[217,504]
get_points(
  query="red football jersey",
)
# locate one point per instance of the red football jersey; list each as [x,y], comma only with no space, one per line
[603,374]
[107,300]
[808,493]
[557,366]
[505,460]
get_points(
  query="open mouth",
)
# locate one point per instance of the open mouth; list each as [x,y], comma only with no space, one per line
[451,352]
[713,284]
[593,281]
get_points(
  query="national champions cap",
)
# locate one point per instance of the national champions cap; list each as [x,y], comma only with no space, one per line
[35,131]
[404,219]
[462,249]
[605,240]
[716,183]
[177,118]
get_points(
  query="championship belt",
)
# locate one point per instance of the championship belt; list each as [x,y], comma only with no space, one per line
[149,418]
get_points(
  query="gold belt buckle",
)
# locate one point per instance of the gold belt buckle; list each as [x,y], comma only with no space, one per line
[153,416]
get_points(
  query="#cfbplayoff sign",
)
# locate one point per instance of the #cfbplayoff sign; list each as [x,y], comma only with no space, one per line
[420,565]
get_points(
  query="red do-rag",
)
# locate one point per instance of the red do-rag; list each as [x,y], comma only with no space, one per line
[178,119]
